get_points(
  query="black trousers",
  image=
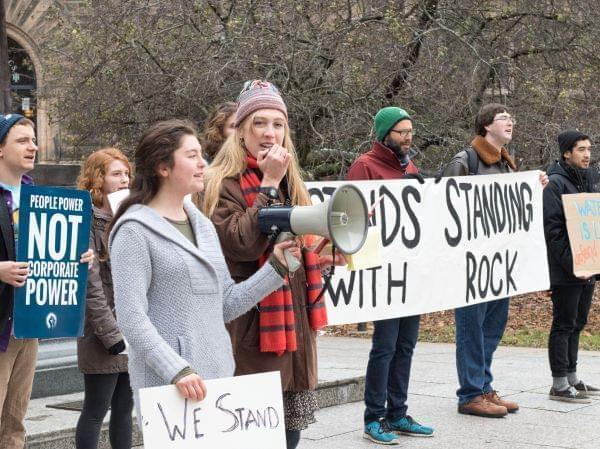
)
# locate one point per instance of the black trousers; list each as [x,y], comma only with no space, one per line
[570,309]
[102,391]
[292,439]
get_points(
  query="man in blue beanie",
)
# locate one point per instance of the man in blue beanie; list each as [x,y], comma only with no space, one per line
[394,340]
[17,356]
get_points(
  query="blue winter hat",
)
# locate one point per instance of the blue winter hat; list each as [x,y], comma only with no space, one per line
[6,123]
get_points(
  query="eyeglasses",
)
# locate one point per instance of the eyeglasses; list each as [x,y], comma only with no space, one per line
[403,132]
[506,118]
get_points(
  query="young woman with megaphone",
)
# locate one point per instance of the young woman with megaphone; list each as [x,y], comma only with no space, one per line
[257,166]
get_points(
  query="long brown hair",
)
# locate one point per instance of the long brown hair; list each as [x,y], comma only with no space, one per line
[156,146]
[93,172]
[213,136]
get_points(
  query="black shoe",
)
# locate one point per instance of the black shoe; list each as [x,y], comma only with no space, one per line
[586,389]
[569,395]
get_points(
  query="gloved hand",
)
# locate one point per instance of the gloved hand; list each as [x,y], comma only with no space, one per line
[117,348]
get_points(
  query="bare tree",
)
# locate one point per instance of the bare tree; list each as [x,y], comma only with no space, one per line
[121,65]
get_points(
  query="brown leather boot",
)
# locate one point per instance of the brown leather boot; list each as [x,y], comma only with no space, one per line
[493,397]
[480,406]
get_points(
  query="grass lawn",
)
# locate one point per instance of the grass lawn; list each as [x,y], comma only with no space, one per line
[528,324]
[533,338]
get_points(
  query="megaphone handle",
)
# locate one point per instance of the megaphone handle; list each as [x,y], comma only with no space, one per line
[292,262]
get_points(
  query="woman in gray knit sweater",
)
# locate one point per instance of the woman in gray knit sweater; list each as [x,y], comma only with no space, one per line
[173,291]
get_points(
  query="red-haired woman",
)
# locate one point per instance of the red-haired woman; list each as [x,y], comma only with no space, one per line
[100,350]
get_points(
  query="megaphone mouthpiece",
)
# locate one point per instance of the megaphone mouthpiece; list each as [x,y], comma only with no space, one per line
[339,219]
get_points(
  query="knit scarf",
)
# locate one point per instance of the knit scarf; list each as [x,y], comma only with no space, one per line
[277,324]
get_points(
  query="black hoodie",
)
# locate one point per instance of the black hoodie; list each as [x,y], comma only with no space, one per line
[564,179]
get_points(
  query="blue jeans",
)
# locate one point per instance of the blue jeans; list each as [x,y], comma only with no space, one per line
[388,371]
[479,329]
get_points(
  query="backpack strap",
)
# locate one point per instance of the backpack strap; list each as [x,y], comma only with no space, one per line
[472,164]
[472,161]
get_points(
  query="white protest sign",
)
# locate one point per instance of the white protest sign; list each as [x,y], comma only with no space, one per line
[461,241]
[116,198]
[244,412]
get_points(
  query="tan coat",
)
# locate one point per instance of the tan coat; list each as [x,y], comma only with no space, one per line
[243,244]
[101,330]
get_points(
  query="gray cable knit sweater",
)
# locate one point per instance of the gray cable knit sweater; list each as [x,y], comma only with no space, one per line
[173,298]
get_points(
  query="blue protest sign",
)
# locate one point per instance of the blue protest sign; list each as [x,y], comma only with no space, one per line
[54,230]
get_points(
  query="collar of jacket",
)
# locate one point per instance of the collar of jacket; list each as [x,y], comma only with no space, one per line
[148,217]
[582,178]
[102,214]
[386,155]
[489,153]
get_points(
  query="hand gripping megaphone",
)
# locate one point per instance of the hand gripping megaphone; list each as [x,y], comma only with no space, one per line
[343,219]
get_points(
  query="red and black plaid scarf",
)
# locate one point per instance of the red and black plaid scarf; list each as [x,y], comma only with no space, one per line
[277,326]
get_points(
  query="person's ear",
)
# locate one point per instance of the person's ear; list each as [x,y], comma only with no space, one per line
[162,170]
[241,134]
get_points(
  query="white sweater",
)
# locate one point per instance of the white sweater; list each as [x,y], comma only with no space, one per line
[173,298]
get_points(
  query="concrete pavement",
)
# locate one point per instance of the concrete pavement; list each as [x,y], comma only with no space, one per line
[522,374]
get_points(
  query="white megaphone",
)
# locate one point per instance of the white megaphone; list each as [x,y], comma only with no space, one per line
[343,219]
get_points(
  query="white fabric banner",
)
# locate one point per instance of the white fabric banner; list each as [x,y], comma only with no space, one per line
[461,241]
[244,412]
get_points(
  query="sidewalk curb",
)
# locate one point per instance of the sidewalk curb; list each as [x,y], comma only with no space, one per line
[329,394]
[338,392]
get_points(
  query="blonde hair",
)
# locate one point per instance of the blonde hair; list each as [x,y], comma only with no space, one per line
[230,162]
[94,170]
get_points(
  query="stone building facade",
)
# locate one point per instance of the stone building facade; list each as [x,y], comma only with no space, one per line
[28,25]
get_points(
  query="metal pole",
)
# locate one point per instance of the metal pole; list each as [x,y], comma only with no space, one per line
[5,98]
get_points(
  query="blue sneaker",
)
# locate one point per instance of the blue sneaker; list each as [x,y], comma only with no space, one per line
[378,432]
[408,426]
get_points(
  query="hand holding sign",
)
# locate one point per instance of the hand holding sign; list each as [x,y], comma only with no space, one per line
[14,273]
[544,179]
[88,257]
[191,387]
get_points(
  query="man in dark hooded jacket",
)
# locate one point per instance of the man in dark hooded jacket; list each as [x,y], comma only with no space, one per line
[571,296]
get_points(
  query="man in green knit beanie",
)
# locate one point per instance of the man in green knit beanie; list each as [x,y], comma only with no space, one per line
[388,370]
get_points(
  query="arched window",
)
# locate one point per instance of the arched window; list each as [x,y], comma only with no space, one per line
[23,84]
